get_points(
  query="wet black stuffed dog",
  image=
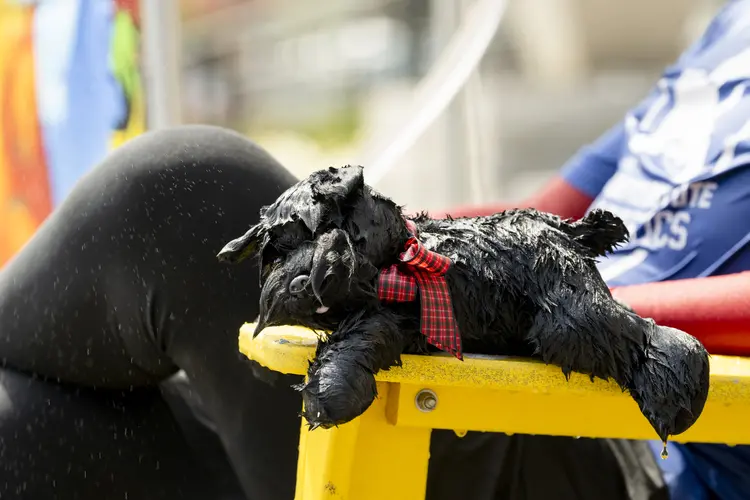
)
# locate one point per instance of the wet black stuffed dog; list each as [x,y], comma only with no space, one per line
[338,257]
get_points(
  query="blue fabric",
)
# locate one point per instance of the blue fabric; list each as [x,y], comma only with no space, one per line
[676,171]
[79,99]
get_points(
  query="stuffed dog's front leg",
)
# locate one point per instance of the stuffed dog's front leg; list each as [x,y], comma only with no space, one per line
[340,382]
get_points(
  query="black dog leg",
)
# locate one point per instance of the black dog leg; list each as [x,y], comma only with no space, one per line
[671,384]
[340,382]
[665,370]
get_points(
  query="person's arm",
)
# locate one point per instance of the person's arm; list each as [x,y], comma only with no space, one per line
[570,193]
[716,310]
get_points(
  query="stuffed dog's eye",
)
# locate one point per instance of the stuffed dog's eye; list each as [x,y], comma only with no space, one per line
[269,264]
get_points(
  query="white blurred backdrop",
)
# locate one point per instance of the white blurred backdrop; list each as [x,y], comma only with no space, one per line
[321,83]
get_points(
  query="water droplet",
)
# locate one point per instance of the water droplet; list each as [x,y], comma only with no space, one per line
[664,452]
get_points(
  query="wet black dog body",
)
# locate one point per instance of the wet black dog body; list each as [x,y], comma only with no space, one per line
[522,282]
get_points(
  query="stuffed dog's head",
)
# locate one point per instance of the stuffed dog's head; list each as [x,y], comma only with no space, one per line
[320,247]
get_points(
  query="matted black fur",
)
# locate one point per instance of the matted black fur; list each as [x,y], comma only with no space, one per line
[523,283]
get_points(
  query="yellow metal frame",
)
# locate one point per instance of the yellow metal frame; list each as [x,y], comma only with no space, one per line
[390,441]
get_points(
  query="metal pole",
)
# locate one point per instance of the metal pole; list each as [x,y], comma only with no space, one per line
[437,89]
[161,42]
[445,17]
[471,104]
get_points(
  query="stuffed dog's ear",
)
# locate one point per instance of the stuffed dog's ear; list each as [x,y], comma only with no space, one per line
[243,247]
[335,190]
[318,200]
[341,183]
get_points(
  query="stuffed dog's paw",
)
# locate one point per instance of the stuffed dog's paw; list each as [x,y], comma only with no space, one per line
[671,385]
[332,397]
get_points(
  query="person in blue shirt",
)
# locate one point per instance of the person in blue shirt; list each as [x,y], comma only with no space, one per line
[677,171]
[120,289]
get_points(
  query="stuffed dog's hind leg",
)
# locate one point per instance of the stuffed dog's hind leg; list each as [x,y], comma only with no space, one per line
[665,370]
[340,382]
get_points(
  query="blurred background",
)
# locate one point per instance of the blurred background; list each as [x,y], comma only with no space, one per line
[327,83]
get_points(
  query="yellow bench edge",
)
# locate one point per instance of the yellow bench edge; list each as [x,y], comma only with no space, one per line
[287,349]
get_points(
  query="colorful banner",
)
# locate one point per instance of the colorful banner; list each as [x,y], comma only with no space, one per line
[70,90]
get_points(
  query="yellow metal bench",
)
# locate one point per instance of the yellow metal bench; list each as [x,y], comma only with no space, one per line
[391,440]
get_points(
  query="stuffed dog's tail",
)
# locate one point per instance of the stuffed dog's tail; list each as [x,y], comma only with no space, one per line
[600,231]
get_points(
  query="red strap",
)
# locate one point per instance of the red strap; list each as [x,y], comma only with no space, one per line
[716,309]
[557,197]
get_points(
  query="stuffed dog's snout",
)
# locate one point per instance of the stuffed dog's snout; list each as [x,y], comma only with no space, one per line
[270,302]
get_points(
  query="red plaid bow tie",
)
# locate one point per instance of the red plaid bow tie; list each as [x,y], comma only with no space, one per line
[423,271]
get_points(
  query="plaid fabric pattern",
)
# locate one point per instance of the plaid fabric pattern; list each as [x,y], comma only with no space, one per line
[420,271]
